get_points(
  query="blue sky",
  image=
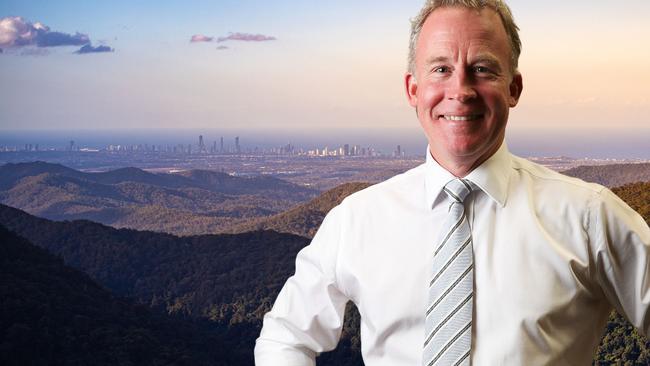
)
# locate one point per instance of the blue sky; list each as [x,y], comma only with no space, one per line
[335,65]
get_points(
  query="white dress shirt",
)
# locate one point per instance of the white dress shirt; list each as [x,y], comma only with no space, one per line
[552,255]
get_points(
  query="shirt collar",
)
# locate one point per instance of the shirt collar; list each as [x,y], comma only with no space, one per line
[492,176]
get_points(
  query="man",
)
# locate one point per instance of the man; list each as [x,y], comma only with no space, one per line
[511,265]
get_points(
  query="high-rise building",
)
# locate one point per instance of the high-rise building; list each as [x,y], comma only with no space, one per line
[237,148]
[201,145]
[346,150]
[221,149]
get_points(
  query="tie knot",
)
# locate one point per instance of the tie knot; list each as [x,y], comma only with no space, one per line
[458,189]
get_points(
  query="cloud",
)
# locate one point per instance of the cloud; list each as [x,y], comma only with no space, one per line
[54,39]
[221,48]
[90,49]
[201,38]
[247,37]
[16,32]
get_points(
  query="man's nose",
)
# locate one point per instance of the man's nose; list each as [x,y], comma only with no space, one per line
[461,88]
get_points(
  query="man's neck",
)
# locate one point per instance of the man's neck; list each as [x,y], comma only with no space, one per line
[458,170]
[461,167]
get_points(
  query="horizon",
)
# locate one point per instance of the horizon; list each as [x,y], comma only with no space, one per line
[572,143]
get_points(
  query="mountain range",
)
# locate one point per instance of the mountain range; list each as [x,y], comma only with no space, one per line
[229,279]
[186,203]
[198,202]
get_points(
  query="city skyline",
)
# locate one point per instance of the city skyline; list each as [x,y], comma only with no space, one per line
[301,66]
[206,146]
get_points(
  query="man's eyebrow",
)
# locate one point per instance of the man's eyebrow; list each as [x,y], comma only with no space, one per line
[437,59]
[487,59]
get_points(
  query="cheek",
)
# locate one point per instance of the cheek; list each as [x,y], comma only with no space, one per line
[429,97]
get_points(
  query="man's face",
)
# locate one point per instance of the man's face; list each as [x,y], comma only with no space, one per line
[463,87]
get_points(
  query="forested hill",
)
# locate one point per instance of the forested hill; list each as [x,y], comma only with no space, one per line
[227,278]
[187,203]
[303,219]
[51,314]
[613,175]
[230,279]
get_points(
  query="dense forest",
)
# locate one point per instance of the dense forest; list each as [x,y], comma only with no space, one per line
[215,286]
[230,280]
[51,314]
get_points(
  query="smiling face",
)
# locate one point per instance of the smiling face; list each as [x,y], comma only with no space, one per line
[463,86]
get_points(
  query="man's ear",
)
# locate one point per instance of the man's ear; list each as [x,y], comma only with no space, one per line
[516,87]
[411,89]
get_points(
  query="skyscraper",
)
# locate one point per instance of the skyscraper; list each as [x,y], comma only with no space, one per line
[201,145]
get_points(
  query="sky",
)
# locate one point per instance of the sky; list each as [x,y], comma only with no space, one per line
[302,67]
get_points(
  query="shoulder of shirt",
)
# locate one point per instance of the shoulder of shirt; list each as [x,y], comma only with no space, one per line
[400,186]
[543,174]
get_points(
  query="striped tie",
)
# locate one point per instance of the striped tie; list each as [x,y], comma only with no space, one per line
[448,325]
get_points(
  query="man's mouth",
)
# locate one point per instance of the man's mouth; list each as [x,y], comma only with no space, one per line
[470,117]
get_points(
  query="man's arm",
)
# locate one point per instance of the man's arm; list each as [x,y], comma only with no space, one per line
[622,257]
[307,316]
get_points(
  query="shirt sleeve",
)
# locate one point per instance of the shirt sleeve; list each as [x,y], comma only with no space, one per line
[307,316]
[622,257]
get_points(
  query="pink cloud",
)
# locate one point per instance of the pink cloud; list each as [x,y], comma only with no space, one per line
[201,38]
[17,32]
[247,37]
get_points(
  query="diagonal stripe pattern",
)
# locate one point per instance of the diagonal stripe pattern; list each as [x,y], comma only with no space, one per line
[448,325]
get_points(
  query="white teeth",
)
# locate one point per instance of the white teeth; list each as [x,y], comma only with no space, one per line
[462,118]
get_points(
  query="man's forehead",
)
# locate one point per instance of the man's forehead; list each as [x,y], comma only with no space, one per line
[449,31]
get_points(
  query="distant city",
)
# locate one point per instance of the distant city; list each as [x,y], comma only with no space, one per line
[321,167]
[220,147]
